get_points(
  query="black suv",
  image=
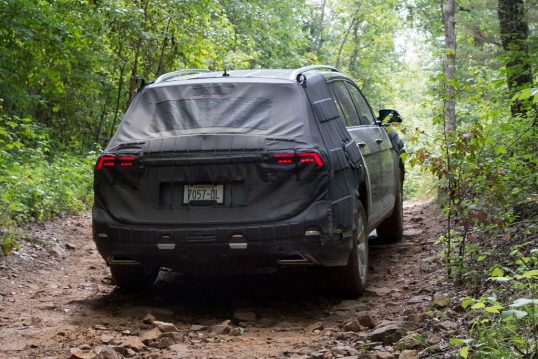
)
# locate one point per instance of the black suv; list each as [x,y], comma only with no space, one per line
[247,169]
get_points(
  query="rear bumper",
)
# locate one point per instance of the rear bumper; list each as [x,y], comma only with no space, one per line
[262,245]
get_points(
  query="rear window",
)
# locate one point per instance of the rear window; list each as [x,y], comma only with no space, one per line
[231,112]
[272,109]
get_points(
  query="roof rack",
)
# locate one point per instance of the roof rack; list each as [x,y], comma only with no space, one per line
[296,75]
[171,75]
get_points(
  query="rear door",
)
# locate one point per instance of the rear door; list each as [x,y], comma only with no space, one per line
[381,148]
[363,137]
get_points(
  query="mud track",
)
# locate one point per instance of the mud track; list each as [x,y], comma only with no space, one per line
[57,300]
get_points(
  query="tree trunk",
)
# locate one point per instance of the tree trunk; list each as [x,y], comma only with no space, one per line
[164,45]
[118,98]
[449,22]
[138,48]
[102,118]
[355,54]
[344,40]
[134,74]
[514,33]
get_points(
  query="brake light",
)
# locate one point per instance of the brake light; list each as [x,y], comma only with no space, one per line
[111,161]
[284,158]
[310,157]
[303,157]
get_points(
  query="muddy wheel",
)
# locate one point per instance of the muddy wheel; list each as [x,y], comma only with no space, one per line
[133,278]
[391,229]
[350,280]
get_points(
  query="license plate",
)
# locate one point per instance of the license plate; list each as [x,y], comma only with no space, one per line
[211,193]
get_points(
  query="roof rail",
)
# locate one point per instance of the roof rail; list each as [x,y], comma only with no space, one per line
[295,75]
[171,75]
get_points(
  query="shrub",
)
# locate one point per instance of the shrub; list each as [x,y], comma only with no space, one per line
[38,181]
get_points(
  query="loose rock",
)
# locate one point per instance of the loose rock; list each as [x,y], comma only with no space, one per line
[434,339]
[315,326]
[234,332]
[197,328]
[344,350]
[165,342]
[388,334]
[408,354]
[180,349]
[78,353]
[126,352]
[365,319]
[383,355]
[106,338]
[133,343]
[70,246]
[107,352]
[220,329]
[412,232]
[150,336]
[352,325]
[165,327]
[448,325]
[408,342]
[178,338]
[441,301]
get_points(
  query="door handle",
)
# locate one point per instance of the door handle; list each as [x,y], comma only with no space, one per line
[378,140]
[361,144]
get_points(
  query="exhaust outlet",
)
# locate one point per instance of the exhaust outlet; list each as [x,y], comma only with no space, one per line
[295,259]
[122,261]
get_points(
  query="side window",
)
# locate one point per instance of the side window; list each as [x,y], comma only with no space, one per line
[346,104]
[367,117]
[339,107]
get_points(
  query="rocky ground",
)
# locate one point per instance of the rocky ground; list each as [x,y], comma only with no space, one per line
[57,300]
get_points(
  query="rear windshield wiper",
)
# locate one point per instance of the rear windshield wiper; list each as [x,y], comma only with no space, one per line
[125,145]
[284,139]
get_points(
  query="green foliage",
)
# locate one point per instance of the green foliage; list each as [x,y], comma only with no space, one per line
[74,66]
[504,324]
[484,168]
[358,37]
[35,181]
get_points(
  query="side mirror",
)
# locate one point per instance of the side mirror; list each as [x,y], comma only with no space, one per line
[388,116]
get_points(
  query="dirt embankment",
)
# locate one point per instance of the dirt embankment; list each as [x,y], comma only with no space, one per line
[57,301]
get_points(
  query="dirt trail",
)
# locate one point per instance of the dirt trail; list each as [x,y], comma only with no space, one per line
[57,301]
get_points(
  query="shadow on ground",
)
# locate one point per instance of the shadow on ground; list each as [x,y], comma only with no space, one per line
[291,295]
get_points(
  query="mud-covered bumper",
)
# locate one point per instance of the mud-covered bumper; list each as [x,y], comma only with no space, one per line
[263,245]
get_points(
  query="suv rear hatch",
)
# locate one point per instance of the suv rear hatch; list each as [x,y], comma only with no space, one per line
[213,152]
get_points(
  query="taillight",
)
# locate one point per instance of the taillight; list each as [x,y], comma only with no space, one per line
[284,158]
[301,157]
[308,157]
[113,161]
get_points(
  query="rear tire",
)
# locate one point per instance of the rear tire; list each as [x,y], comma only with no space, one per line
[350,280]
[391,229]
[133,278]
